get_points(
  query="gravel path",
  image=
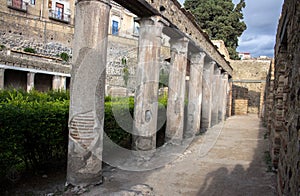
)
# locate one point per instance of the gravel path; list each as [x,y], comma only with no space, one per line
[229,159]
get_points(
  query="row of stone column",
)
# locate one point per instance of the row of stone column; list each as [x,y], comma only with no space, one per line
[206,100]
[215,87]
[58,82]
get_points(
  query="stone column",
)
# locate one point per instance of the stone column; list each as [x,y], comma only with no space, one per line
[56,82]
[261,100]
[175,108]
[2,78]
[208,72]
[223,100]
[63,83]
[146,94]
[30,81]
[220,97]
[229,99]
[215,96]
[195,94]
[86,116]
[59,83]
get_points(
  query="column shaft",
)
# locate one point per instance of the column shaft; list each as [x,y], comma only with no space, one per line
[30,81]
[223,101]
[262,100]
[2,78]
[195,94]
[146,94]
[63,83]
[176,94]
[206,108]
[229,100]
[215,96]
[86,116]
[56,82]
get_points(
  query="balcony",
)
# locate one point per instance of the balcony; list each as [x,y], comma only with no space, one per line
[58,16]
[17,5]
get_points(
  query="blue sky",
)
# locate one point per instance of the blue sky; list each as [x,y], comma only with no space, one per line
[261,18]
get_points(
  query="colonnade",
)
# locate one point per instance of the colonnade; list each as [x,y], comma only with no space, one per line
[206,104]
[59,82]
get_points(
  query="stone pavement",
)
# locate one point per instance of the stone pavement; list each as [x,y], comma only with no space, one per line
[229,159]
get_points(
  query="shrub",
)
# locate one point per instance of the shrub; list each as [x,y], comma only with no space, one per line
[64,56]
[118,119]
[2,47]
[34,127]
[30,50]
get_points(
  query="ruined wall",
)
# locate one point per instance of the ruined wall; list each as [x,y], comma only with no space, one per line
[250,75]
[222,48]
[239,100]
[33,63]
[46,37]
[118,49]
[283,92]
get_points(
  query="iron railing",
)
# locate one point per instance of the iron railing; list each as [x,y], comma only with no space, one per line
[62,17]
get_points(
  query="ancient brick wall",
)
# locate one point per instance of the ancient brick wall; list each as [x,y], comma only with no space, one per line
[239,100]
[249,76]
[283,99]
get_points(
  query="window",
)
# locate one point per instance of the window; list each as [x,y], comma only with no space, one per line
[136,29]
[59,11]
[32,2]
[17,5]
[115,27]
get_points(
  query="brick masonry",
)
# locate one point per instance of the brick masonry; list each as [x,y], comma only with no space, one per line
[282,114]
[248,84]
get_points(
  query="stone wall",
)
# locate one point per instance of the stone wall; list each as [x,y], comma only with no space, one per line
[33,63]
[118,49]
[250,75]
[283,95]
[239,100]
[46,37]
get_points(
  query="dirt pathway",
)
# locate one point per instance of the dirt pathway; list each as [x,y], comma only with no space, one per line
[226,160]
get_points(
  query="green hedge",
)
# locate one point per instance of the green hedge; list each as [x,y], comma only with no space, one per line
[34,128]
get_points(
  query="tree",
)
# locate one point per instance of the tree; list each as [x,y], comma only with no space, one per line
[220,19]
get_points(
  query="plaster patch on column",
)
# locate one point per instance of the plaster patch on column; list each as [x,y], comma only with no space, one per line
[177,107]
[190,118]
[148,116]
[82,129]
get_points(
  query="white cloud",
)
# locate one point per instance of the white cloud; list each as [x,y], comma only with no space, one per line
[261,20]
[257,45]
